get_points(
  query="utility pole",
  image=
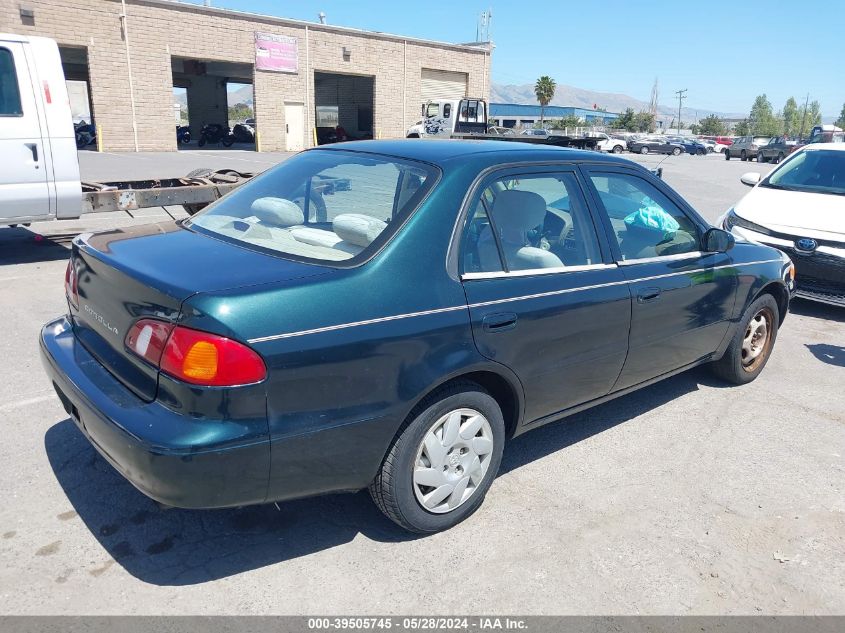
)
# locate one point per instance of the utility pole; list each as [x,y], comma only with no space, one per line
[682,94]
[804,116]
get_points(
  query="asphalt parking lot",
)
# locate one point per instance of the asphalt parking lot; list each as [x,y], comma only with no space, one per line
[687,497]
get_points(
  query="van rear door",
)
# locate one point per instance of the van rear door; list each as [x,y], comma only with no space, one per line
[24,186]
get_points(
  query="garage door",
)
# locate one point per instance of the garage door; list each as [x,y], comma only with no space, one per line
[443,84]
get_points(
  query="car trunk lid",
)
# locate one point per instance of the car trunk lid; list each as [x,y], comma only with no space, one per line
[147,272]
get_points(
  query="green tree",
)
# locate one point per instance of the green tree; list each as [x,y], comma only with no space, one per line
[644,122]
[791,119]
[840,122]
[762,118]
[545,91]
[808,117]
[625,121]
[711,125]
[742,128]
[239,112]
[570,120]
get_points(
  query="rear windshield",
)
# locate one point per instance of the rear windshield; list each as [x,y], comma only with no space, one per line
[819,171]
[322,206]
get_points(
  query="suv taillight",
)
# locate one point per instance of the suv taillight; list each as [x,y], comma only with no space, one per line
[193,356]
[71,284]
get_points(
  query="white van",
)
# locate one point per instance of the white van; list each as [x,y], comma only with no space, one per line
[40,175]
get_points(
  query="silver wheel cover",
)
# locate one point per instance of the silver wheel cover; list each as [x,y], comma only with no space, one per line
[452,460]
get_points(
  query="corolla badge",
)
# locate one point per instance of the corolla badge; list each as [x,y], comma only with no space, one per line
[806,244]
[100,319]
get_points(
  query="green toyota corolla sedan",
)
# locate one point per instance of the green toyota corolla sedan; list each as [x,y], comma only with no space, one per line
[388,314]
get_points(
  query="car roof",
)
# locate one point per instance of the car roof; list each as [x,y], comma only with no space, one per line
[839,147]
[443,151]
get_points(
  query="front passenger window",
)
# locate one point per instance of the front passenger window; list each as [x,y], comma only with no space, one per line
[645,222]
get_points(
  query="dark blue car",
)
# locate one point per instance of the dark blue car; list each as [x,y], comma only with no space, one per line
[388,314]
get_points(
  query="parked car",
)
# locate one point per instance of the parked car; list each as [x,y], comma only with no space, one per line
[654,146]
[612,144]
[709,145]
[691,146]
[535,132]
[776,150]
[257,352]
[719,147]
[746,147]
[799,208]
[499,130]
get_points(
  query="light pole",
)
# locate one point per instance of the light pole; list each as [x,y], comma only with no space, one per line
[682,94]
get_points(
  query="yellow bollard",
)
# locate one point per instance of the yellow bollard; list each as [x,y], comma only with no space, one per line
[257,141]
[99,129]
[315,136]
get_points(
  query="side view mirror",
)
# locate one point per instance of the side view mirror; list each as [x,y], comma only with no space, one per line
[718,241]
[750,178]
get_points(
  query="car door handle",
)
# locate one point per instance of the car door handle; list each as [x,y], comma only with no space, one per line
[500,322]
[644,295]
[33,147]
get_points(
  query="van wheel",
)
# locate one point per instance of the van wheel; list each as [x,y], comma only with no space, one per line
[752,344]
[443,461]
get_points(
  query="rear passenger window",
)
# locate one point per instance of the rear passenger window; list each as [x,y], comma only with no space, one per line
[645,222]
[10,96]
[534,221]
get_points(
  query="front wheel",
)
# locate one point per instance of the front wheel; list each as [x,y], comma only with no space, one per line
[779,158]
[617,149]
[727,155]
[676,151]
[743,156]
[202,141]
[442,463]
[228,140]
[643,150]
[760,158]
[752,344]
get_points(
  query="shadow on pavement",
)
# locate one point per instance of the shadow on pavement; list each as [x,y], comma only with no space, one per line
[830,354]
[817,310]
[185,547]
[19,245]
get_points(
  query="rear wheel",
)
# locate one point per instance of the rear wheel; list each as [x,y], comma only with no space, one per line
[760,157]
[752,344]
[644,150]
[743,155]
[617,149]
[442,463]
[676,151]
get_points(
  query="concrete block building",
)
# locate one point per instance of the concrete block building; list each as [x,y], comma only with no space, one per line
[132,53]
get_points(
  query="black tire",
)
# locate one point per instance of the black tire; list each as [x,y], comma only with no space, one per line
[779,158]
[760,157]
[727,153]
[733,367]
[644,149]
[202,141]
[676,151]
[413,136]
[228,140]
[393,488]
[743,156]
[617,149]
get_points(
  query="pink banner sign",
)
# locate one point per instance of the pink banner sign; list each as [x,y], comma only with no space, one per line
[276,52]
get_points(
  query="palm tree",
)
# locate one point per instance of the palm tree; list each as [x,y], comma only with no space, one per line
[545,91]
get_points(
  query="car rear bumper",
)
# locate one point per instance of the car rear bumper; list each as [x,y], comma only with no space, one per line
[171,457]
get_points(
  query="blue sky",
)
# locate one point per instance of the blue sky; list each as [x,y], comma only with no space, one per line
[622,45]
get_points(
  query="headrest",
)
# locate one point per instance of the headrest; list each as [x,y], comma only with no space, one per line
[357,228]
[517,212]
[277,211]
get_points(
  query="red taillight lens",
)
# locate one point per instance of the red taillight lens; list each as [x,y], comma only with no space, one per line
[72,284]
[193,356]
[147,339]
[201,358]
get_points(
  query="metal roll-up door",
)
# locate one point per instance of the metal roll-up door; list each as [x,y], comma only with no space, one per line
[443,84]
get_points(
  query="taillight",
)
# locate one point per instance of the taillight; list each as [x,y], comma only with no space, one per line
[72,284]
[147,339]
[193,356]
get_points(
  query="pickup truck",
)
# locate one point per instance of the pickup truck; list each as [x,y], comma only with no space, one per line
[467,118]
[609,144]
[40,177]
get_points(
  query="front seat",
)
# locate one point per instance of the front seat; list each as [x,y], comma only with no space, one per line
[515,214]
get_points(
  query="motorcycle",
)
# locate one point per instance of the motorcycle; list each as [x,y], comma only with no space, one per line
[85,134]
[243,133]
[216,133]
[183,134]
